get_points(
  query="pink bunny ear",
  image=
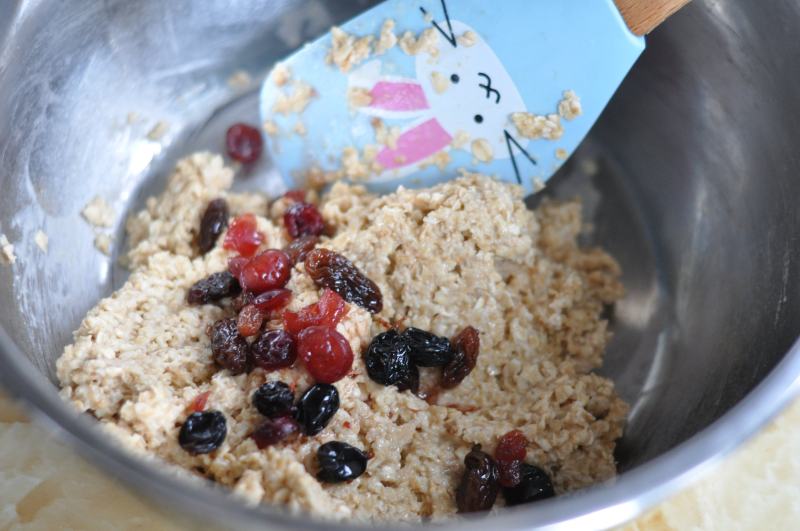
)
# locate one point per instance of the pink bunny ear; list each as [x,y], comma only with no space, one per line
[415,144]
[398,96]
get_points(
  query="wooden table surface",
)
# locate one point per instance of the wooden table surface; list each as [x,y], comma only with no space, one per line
[43,485]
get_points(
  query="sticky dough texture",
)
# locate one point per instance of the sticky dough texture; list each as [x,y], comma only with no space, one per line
[464,252]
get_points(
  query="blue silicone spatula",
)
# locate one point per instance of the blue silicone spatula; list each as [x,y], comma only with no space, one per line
[412,91]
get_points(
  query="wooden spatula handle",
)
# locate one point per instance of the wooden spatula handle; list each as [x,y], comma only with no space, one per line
[643,16]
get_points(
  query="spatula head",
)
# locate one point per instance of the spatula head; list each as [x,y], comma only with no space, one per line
[418,119]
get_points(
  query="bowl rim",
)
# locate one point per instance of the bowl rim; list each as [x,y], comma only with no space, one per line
[599,507]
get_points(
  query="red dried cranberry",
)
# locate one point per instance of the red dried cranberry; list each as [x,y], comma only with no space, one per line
[509,473]
[244,143]
[293,323]
[299,248]
[466,346]
[295,195]
[214,221]
[331,270]
[303,219]
[242,300]
[328,311]
[331,307]
[243,236]
[266,271]
[236,264]
[273,431]
[511,447]
[325,352]
[229,348]
[273,300]
[249,320]
[199,403]
[273,349]
[509,453]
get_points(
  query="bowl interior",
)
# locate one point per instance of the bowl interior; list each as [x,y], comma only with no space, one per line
[689,179]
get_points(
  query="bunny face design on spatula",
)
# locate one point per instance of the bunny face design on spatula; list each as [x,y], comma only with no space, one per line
[478,99]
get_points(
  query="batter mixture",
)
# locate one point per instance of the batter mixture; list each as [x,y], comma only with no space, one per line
[467,252]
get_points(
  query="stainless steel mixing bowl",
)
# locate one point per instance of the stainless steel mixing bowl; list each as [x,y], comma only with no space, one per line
[691,180]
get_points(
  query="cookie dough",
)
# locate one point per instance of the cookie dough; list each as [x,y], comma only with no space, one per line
[464,252]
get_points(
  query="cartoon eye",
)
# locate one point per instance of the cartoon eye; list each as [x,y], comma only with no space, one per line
[478,119]
[454,78]
[490,91]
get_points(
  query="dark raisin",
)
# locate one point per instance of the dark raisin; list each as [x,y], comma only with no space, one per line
[273,349]
[387,358]
[273,399]
[410,381]
[478,487]
[299,248]
[427,350]
[244,143]
[213,288]
[212,224]
[534,484]
[339,461]
[316,407]
[273,431]
[203,433]
[303,219]
[229,348]
[466,346]
[332,270]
